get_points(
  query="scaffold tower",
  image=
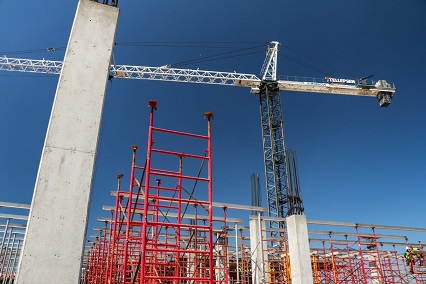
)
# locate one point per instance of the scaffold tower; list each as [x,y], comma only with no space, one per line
[160,232]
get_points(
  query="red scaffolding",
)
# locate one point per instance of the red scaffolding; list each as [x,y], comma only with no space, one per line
[362,257]
[160,232]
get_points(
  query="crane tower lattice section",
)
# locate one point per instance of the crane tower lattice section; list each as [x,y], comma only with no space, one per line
[282,201]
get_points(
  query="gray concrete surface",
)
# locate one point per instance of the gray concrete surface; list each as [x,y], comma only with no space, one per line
[299,252]
[258,253]
[53,246]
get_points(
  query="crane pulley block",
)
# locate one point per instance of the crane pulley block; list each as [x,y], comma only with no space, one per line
[384,98]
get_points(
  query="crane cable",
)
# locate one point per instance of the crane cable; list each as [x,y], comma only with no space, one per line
[217,56]
[324,72]
[212,59]
[38,50]
[316,59]
[179,43]
[207,58]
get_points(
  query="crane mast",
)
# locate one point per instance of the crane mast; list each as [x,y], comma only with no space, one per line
[283,198]
[282,202]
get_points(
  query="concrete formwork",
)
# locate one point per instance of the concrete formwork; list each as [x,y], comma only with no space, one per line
[54,242]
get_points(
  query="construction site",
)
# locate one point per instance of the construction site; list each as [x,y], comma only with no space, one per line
[161,220]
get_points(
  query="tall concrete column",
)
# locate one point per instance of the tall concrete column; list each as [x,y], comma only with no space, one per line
[53,246]
[298,246]
[257,249]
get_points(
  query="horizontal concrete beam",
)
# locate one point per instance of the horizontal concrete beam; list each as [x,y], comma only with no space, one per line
[346,224]
[371,226]
[268,218]
[13,225]
[14,232]
[238,207]
[355,235]
[15,205]
[239,228]
[185,216]
[13,216]
[214,204]
[327,241]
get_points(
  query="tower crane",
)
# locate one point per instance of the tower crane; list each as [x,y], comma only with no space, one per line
[282,199]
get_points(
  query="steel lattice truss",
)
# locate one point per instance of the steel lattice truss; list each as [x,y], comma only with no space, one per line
[274,150]
[165,73]
[30,65]
[183,75]
[269,68]
[281,202]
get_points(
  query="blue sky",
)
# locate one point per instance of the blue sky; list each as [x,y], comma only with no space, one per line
[357,162]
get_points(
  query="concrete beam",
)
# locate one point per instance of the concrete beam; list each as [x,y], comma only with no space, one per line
[346,234]
[369,226]
[13,216]
[13,225]
[53,246]
[14,205]
[400,244]
[13,232]
[214,204]
[183,216]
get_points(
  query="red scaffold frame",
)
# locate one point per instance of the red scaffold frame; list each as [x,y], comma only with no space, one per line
[153,237]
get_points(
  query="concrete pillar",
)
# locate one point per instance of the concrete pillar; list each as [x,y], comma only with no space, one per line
[54,243]
[258,253]
[298,246]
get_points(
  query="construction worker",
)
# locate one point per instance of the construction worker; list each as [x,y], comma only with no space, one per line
[409,258]
[408,255]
